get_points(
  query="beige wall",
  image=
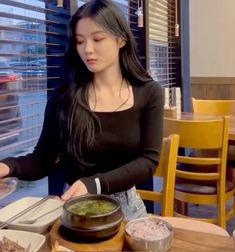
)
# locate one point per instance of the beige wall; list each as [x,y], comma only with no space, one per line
[212,38]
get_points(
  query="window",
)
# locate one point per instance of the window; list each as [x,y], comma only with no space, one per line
[161,40]
[31,46]
[23,75]
[164,59]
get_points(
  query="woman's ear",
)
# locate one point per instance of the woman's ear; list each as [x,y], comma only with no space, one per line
[122,42]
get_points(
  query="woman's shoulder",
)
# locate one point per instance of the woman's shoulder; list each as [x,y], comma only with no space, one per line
[149,88]
[149,93]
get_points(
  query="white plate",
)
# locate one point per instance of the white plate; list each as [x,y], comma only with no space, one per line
[24,238]
[7,186]
[41,224]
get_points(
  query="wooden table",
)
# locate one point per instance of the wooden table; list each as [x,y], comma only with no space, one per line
[186,240]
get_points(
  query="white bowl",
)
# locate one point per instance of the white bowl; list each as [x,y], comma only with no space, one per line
[149,234]
[24,239]
[41,224]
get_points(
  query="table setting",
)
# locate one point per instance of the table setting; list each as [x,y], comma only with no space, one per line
[24,223]
[49,224]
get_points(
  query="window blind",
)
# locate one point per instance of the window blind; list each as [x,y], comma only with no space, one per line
[162,41]
[123,4]
[138,32]
[32,37]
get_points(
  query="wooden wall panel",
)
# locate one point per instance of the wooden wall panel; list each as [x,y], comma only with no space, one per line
[231,91]
[213,87]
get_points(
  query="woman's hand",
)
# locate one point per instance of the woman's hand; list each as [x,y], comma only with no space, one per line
[76,189]
[4,170]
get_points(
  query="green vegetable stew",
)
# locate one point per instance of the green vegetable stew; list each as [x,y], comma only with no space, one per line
[92,207]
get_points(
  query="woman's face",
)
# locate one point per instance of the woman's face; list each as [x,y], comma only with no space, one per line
[98,49]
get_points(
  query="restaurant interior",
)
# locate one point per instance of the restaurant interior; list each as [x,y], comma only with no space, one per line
[188,47]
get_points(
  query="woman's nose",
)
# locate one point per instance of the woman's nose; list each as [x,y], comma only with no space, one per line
[89,47]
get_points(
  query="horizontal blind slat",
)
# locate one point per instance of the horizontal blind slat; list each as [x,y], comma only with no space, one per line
[26,6]
[25,18]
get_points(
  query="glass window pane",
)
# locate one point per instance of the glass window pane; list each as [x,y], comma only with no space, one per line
[23,76]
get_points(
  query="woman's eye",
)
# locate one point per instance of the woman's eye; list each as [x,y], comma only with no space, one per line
[79,42]
[98,39]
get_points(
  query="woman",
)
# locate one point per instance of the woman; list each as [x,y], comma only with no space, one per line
[105,128]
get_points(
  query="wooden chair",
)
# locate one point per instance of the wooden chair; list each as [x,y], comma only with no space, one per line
[213,107]
[217,107]
[166,169]
[202,179]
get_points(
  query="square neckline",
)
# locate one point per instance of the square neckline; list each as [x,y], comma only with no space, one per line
[119,111]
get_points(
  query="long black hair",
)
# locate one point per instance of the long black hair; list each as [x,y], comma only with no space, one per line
[78,123]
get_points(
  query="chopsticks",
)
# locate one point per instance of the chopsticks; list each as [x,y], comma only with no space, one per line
[7,222]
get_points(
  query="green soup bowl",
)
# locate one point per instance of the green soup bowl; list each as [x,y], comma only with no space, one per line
[92,216]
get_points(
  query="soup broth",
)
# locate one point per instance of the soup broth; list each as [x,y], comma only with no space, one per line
[92,207]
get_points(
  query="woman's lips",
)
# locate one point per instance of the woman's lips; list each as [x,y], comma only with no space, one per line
[91,61]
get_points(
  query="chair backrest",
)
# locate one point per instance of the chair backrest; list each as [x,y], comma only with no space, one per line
[165,169]
[213,107]
[201,135]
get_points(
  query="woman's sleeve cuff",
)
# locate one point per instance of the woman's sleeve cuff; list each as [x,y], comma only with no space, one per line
[91,185]
[98,185]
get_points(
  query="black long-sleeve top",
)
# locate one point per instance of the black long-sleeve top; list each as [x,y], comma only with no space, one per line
[126,150]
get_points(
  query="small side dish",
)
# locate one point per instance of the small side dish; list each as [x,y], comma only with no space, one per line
[11,246]
[20,241]
[148,229]
[149,234]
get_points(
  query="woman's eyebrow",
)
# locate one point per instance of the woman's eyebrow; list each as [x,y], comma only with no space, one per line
[93,33]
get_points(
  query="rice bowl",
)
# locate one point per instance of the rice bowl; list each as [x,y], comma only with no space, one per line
[149,234]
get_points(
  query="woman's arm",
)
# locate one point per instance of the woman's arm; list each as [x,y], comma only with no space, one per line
[36,164]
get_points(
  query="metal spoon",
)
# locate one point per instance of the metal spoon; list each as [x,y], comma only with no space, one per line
[31,221]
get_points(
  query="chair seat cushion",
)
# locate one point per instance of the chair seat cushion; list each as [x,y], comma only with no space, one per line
[200,187]
[203,186]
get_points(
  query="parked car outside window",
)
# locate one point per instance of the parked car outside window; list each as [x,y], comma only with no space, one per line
[10,121]
[33,73]
[28,69]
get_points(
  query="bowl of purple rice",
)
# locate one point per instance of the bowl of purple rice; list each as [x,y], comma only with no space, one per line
[149,234]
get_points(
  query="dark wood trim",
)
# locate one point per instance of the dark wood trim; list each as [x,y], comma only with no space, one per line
[212,80]
[146,22]
[185,54]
